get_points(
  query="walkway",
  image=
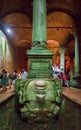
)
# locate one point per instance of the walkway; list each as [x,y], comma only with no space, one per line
[73,93]
[6,94]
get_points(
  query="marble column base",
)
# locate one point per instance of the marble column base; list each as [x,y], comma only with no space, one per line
[76,81]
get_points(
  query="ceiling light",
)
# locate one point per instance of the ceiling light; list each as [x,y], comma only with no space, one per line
[8,30]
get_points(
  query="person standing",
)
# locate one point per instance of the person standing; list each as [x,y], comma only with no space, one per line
[61,78]
[24,74]
[66,80]
[15,75]
[4,80]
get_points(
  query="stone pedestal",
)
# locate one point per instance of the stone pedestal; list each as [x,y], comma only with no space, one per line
[39,97]
[39,63]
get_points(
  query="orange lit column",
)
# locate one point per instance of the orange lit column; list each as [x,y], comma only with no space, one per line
[62,59]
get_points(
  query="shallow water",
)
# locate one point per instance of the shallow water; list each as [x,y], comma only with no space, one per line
[69,118]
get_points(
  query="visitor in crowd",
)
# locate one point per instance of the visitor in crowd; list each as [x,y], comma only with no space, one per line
[15,76]
[12,78]
[19,75]
[66,80]
[4,79]
[61,78]
[24,74]
[64,77]
[54,75]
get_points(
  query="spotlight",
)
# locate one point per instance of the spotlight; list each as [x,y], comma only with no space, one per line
[8,30]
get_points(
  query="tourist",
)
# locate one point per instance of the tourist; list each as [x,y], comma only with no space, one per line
[24,74]
[4,80]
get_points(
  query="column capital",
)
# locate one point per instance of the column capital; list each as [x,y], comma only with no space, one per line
[62,49]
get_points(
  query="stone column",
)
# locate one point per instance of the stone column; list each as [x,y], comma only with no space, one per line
[76,79]
[76,54]
[0,54]
[39,57]
[39,23]
[40,84]
[62,58]
[71,66]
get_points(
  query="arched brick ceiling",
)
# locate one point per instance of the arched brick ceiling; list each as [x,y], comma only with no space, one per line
[19,13]
[10,6]
[69,6]
[21,29]
[60,25]
[53,45]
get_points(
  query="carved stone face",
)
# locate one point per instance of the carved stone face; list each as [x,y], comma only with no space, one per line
[41,97]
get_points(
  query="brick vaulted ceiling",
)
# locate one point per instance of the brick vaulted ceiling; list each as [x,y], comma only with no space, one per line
[62,16]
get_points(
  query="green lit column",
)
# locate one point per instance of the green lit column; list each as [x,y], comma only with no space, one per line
[0,54]
[39,23]
[40,86]
[76,54]
[62,59]
[76,79]
[39,57]
[71,66]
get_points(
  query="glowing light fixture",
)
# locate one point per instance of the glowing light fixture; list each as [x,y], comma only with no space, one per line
[8,30]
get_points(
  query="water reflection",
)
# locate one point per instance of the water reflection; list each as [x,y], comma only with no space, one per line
[69,118]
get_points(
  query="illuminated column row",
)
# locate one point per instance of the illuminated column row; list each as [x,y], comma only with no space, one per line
[62,58]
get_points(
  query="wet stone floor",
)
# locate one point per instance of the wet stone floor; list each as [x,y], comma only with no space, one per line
[69,118]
